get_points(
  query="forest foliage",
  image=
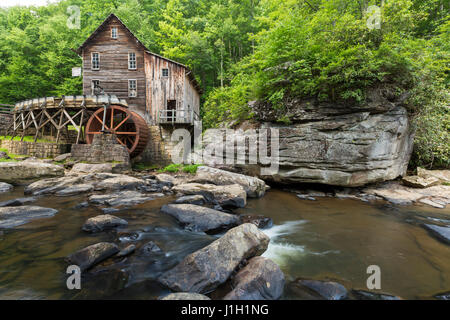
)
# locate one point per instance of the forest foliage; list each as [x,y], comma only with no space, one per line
[243,50]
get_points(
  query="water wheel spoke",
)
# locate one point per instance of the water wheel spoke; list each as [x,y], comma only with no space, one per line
[127,133]
[120,124]
[101,121]
[124,144]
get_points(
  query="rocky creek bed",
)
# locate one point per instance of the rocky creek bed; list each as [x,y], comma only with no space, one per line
[219,235]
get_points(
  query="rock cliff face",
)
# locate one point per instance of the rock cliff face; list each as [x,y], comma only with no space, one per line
[338,144]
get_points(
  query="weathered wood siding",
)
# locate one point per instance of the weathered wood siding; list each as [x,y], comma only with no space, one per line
[191,96]
[160,89]
[114,73]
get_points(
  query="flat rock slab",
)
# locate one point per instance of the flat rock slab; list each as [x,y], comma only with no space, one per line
[103,222]
[91,168]
[260,279]
[368,295]
[53,185]
[75,190]
[420,182]
[5,187]
[120,182]
[199,218]
[11,217]
[17,202]
[227,196]
[254,187]
[62,157]
[435,203]
[121,199]
[318,290]
[204,270]
[26,171]
[185,296]
[399,194]
[442,233]
[92,255]
[442,175]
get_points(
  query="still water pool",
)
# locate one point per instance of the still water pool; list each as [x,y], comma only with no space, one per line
[325,239]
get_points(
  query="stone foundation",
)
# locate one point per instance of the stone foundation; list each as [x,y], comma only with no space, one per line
[104,148]
[38,150]
[5,121]
[159,148]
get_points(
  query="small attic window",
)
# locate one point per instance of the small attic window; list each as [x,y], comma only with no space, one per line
[114,33]
[165,72]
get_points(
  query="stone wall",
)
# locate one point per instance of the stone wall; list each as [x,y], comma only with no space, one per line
[5,120]
[104,148]
[38,150]
[159,148]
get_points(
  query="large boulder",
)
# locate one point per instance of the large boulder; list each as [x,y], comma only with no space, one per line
[103,222]
[232,195]
[11,217]
[27,171]
[5,187]
[260,279]
[317,290]
[254,187]
[336,144]
[199,218]
[92,255]
[206,269]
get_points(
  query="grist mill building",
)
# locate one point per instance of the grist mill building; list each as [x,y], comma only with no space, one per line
[162,91]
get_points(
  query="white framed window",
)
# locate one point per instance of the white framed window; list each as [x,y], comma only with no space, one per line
[114,33]
[95,87]
[95,61]
[132,61]
[165,72]
[132,88]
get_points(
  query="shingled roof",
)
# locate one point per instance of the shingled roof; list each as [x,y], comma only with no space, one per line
[79,51]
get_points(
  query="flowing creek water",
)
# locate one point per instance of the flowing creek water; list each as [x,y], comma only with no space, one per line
[325,239]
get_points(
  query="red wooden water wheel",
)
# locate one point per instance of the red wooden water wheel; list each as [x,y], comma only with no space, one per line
[130,128]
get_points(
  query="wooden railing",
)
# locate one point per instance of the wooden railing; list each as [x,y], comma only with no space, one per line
[179,116]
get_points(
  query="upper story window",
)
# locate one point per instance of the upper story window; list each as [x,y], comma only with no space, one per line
[165,72]
[132,88]
[95,61]
[114,33]
[132,61]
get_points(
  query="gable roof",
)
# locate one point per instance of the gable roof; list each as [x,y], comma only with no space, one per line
[79,51]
